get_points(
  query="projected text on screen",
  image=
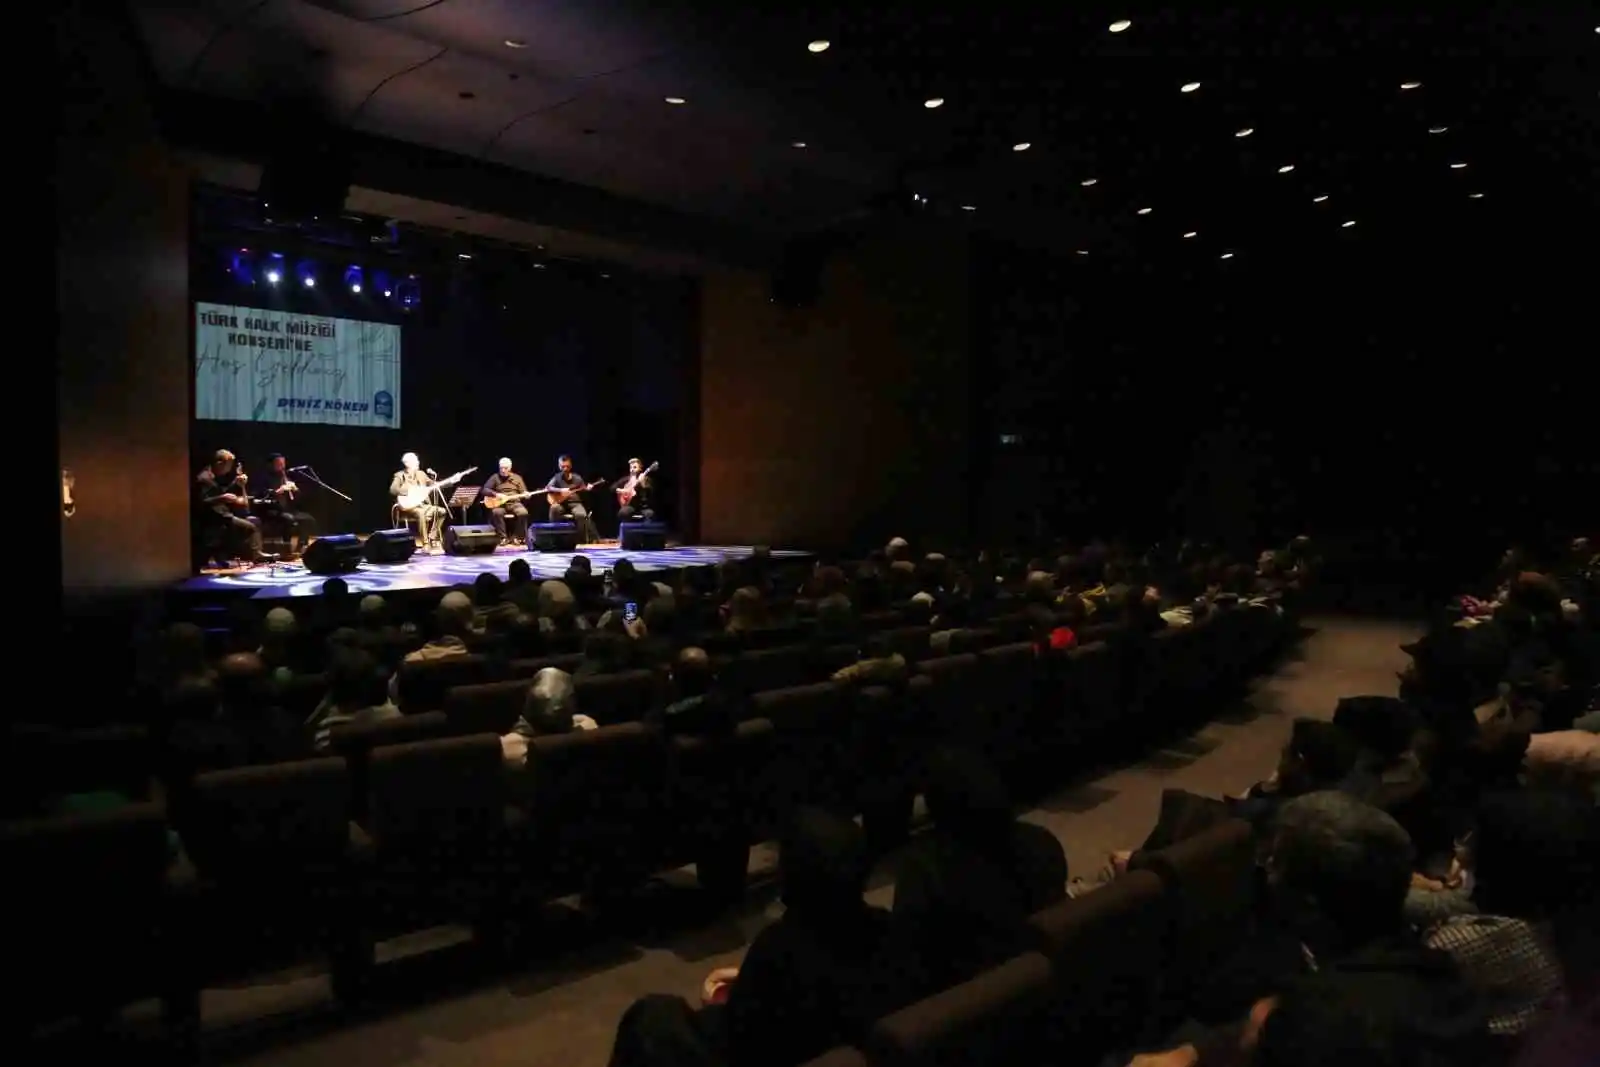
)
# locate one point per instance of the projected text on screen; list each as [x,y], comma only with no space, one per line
[260,365]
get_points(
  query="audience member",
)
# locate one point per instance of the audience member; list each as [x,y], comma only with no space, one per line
[357,694]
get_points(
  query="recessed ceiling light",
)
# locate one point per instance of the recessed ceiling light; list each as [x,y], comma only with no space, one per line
[1190,234]
[1437,129]
[1089,181]
[1083,251]
[1144,211]
[675,100]
[1319,199]
[1188,87]
[969,207]
[798,144]
[1286,168]
[933,102]
[1244,131]
[818,46]
[1120,25]
[1458,166]
[463,255]
[512,42]
[1021,146]
[1347,223]
[1226,255]
[1474,196]
[1410,85]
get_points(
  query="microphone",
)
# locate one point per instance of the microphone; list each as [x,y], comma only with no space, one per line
[431,473]
[297,470]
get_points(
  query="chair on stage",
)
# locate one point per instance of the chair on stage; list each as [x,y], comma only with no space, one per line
[401,519]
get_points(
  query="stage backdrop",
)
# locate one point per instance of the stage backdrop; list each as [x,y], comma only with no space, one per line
[842,423]
[256,364]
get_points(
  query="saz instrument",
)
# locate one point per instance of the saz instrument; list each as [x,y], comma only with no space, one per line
[417,495]
[626,491]
[495,500]
[557,497]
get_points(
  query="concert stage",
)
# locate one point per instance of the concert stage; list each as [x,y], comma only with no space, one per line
[276,580]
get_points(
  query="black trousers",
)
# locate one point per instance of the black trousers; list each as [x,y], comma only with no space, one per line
[293,523]
[629,513]
[573,511]
[238,536]
[511,520]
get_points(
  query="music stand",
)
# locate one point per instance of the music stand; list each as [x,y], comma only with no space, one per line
[464,497]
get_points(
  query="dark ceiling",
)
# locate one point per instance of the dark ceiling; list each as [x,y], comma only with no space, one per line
[1373,113]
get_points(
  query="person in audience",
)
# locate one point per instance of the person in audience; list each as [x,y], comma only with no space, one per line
[261,733]
[606,651]
[1535,858]
[182,656]
[965,891]
[588,590]
[698,706]
[486,591]
[357,694]
[879,664]
[629,586]
[1383,727]
[558,610]
[745,611]
[1319,755]
[552,707]
[823,973]
[453,622]
[279,648]
[918,611]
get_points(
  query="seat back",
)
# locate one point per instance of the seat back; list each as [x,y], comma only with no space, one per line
[614,699]
[489,707]
[597,800]
[422,684]
[995,1017]
[435,792]
[270,821]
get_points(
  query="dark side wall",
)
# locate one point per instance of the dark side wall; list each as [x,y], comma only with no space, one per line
[122,371]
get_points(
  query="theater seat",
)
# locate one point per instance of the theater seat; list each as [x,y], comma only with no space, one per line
[994,1018]
[614,699]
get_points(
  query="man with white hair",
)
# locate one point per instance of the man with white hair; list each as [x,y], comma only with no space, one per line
[503,495]
[428,516]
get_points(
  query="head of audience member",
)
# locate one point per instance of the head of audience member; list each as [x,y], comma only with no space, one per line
[556,601]
[1382,726]
[183,653]
[966,798]
[374,613]
[1319,755]
[692,675]
[335,589]
[836,620]
[746,610]
[827,581]
[241,684]
[626,576]
[901,580]
[608,649]
[486,590]
[519,573]
[1340,870]
[356,680]
[343,637]
[897,549]
[581,567]
[660,616]
[918,611]
[1074,613]
[551,703]
[1039,588]
[1335,1018]
[453,617]
[279,633]
[823,864]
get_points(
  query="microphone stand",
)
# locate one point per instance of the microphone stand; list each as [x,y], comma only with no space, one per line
[310,475]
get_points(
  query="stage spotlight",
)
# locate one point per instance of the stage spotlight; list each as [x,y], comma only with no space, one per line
[243,267]
[307,273]
[274,273]
[352,279]
[408,292]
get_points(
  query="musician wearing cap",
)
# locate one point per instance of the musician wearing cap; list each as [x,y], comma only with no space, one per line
[503,496]
[636,494]
[415,501]
[277,502]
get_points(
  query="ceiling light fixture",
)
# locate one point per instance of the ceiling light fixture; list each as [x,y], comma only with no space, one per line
[1089,181]
[969,207]
[1083,251]
[1286,168]
[798,144]
[1437,129]
[463,255]
[1347,223]
[1188,87]
[1119,25]
[1474,196]
[1144,211]
[1021,146]
[1244,131]
[1226,255]
[512,42]
[1319,199]
[1458,166]
[1410,85]
[1190,234]
[818,46]
[933,102]
[675,100]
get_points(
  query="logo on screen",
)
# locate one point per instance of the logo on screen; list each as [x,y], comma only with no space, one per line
[383,404]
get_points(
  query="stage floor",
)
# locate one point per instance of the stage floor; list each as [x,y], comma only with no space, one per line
[274,580]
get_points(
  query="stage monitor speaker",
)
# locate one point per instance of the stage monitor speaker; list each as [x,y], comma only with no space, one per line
[553,536]
[642,537]
[471,540]
[390,546]
[335,554]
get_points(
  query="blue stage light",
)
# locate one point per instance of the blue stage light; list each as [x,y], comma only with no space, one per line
[382,284]
[242,266]
[307,273]
[275,268]
[409,292]
[352,279]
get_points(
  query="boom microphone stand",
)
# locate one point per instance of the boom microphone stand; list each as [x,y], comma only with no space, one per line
[310,475]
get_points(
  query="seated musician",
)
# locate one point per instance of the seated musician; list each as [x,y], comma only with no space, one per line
[563,490]
[636,495]
[277,500]
[222,512]
[409,487]
[503,495]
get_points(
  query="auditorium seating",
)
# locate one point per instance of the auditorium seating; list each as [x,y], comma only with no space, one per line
[418,821]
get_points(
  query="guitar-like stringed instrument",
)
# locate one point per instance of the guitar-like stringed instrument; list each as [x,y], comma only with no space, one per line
[417,495]
[627,490]
[557,497]
[498,500]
